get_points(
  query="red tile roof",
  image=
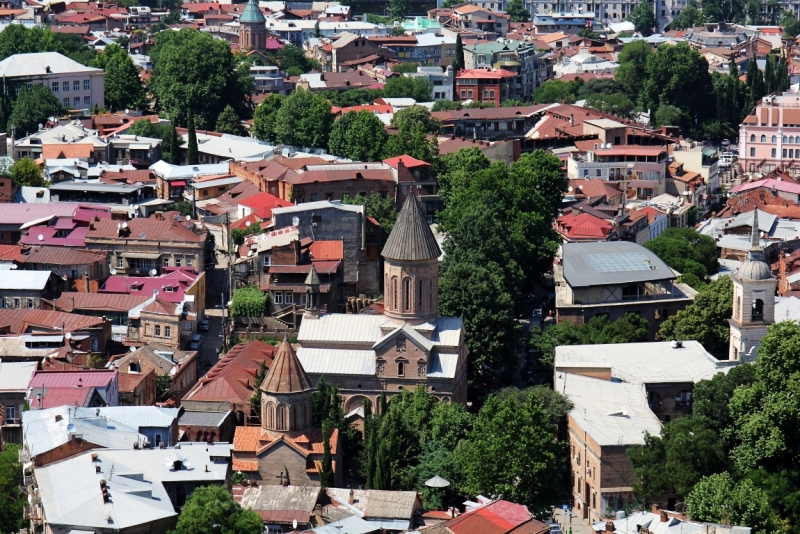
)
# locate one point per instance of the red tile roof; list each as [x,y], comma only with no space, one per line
[9,252]
[255,439]
[406,160]
[484,74]
[232,378]
[153,229]
[286,374]
[498,517]
[20,320]
[101,302]
[128,382]
[65,151]
[264,200]
[47,255]
[583,226]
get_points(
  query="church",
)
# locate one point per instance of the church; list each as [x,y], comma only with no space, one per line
[753,301]
[364,355]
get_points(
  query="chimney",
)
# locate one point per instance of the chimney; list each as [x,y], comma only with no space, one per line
[664,516]
[654,508]
[58,417]
[576,211]
[609,526]
[571,119]
[351,499]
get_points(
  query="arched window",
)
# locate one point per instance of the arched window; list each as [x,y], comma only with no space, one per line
[654,401]
[407,294]
[293,417]
[791,139]
[270,416]
[422,368]
[774,138]
[758,310]
[784,138]
[394,293]
[282,418]
[401,368]
[763,138]
[752,138]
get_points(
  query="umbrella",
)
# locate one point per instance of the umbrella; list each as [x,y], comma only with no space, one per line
[437,482]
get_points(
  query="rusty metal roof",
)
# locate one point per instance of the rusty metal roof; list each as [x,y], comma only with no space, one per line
[286,375]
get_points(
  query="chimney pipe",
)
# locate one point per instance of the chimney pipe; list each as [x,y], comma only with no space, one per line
[664,516]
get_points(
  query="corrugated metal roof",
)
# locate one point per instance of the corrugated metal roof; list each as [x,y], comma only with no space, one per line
[380,504]
[442,365]
[280,499]
[36,64]
[611,263]
[15,376]
[24,280]
[411,238]
[337,361]
[342,328]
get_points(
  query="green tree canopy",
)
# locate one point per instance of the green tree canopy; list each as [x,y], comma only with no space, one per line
[304,120]
[359,136]
[123,87]
[11,517]
[686,251]
[31,108]
[266,116]
[248,301]
[212,510]
[418,88]
[632,69]
[171,141]
[416,115]
[644,19]
[719,499]
[517,11]
[689,17]
[229,122]
[193,70]
[21,39]
[25,172]
[533,460]
[617,104]
[705,319]
[412,140]
[557,91]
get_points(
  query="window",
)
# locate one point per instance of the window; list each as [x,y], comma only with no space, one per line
[66,101]
[586,172]
[469,93]
[76,85]
[177,262]
[401,368]
[401,344]
[16,303]
[77,101]
[773,152]
[422,368]
[65,86]
[763,138]
[54,86]
[189,261]
[87,100]
[683,398]
[785,138]
[784,152]
[120,262]
[752,152]
[379,367]
[277,296]
[166,262]
[774,138]
[485,93]
[597,172]
[267,260]
[11,411]
[87,84]
[491,94]
[29,303]
[463,94]
[167,331]
[158,330]
[758,310]
[288,298]
[407,294]
[313,197]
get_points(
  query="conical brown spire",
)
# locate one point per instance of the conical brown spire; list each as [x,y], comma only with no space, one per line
[411,238]
[286,374]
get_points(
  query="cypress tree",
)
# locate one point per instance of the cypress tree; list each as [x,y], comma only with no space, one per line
[383,469]
[326,475]
[192,157]
[751,67]
[174,155]
[368,454]
[383,404]
[769,76]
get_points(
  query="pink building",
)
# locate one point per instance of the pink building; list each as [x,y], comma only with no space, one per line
[770,136]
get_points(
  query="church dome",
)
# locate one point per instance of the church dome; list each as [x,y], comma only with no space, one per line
[252,13]
[754,270]
[411,239]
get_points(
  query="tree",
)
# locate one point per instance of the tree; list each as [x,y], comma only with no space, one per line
[265,117]
[174,17]
[689,17]
[632,69]
[229,122]
[644,19]
[416,115]
[516,10]
[418,88]
[212,510]
[399,8]
[705,319]
[445,105]
[31,108]
[412,140]
[791,26]
[123,87]
[25,172]
[687,450]
[617,104]
[304,120]
[255,400]
[173,155]
[326,474]
[11,517]
[193,70]
[192,157]
[171,141]
[291,58]
[532,458]
[686,251]
[719,499]
[326,405]
[711,400]
[459,63]
[678,76]
[667,115]
[557,91]
[359,136]
[248,302]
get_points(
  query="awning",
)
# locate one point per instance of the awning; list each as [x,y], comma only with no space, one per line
[709,152]
[648,166]
[142,255]
[178,183]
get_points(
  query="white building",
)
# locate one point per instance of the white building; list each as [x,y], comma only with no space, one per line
[442,81]
[77,86]
[297,31]
[584,63]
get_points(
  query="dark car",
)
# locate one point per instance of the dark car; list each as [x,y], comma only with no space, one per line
[203,325]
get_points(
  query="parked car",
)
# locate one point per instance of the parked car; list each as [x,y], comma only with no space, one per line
[196,341]
[203,325]
[725,142]
[555,528]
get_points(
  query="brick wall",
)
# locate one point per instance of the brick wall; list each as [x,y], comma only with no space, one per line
[67,450]
[271,466]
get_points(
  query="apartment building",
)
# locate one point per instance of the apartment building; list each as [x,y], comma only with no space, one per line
[770,136]
[515,56]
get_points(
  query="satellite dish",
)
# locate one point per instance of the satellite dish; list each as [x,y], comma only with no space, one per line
[188,219]
[126,111]
[71,428]
[142,235]
[40,237]
[119,225]
[178,218]
[248,223]
[135,207]
[569,189]
[14,267]
[153,272]
[113,271]
[155,292]
[295,221]
[41,126]
[68,335]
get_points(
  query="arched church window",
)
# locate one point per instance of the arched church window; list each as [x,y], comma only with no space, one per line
[394,293]
[401,368]
[420,298]
[406,294]
[422,368]
[282,417]
[758,310]
[270,415]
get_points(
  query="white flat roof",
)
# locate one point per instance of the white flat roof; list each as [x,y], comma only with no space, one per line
[644,363]
[612,413]
[15,376]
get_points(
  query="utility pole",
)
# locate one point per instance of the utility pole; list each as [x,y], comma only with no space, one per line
[194,198]
[230,281]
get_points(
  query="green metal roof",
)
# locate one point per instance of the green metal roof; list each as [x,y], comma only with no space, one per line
[251,13]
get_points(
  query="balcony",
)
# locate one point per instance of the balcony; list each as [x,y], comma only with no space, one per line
[12,421]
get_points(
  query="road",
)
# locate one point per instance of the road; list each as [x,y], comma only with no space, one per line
[216,285]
